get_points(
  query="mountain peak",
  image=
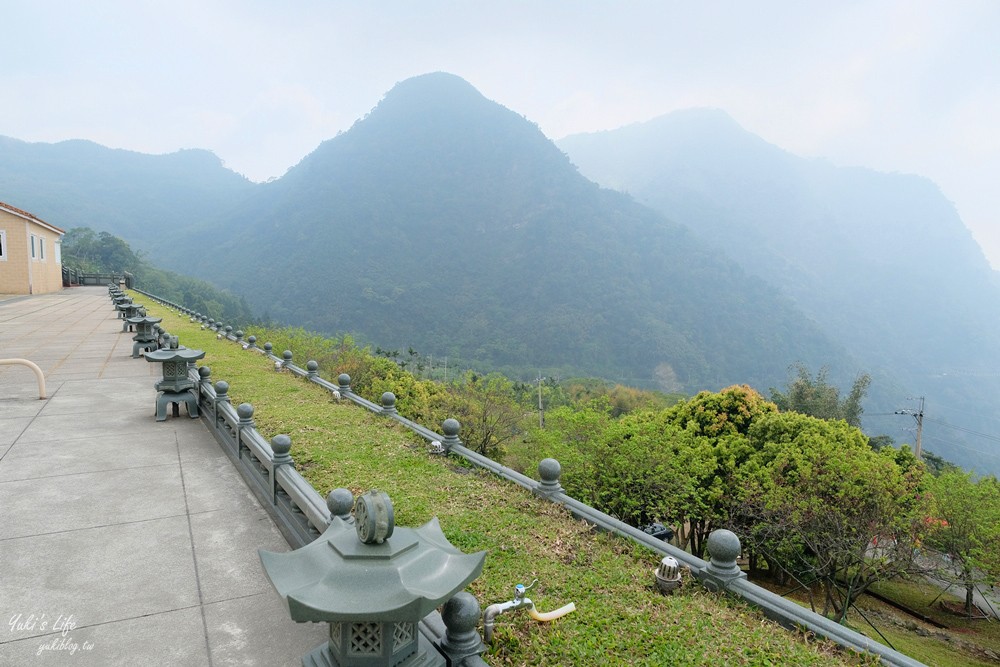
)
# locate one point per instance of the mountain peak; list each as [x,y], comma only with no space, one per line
[436,125]
[433,85]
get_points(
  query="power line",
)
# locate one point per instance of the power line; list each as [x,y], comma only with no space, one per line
[967,412]
[965,430]
[971,449]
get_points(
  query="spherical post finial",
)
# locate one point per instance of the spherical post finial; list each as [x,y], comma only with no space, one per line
[450,427]
[388,403]
[723,548]
[461,617]
[344,382]
[222,391]
[339,502]
[281,445]
[549,471]
[245,412]
[312,368]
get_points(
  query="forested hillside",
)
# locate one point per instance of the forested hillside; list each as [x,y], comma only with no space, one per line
[446,222]
[144,198]
[881,261]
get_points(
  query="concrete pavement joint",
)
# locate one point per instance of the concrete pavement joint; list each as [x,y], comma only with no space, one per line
[94,527]
[88,472]
[97,625]
[194,553]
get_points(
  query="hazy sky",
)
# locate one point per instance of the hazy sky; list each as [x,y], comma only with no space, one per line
[897,85]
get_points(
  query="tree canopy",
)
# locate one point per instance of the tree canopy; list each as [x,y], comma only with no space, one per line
[815,396]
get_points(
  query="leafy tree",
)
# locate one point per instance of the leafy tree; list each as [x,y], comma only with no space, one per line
[616,398]
[825,507]
[488,411]
[570,435]
[647,469]
[818,398]
[729,412]
[677,465]
[877,442]
[93,252]
[936,464]
[723,419]
[98,252]
[967,528]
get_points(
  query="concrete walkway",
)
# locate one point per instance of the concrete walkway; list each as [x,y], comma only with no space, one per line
[123,541]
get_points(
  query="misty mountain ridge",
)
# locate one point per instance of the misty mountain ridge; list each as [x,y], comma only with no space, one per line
[446,222]
[881,261]
[137,196]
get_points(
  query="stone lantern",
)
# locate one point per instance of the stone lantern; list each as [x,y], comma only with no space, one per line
[128,310]
[145,337]
[373,583]
[176,386]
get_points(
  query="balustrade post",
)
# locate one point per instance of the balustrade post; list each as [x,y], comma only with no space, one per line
[340,502]
[281,445]
[549,471]
[723,548]
[388,403]
[461,618]
[450,428]
[245,413]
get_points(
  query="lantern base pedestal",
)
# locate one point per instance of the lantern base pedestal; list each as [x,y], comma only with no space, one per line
[165,398]
[426,656]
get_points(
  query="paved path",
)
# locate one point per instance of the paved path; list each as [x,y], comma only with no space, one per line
[945,577]
[123,541]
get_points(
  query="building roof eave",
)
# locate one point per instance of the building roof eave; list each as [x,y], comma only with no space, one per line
[13,210]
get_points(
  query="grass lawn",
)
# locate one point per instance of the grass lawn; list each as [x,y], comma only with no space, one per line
[963,644]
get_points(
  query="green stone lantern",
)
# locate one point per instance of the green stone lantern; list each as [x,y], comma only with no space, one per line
[129,310]
[145,337]
[373,583]
[176,386]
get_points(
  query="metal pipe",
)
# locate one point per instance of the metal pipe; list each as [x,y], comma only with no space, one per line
[33,366]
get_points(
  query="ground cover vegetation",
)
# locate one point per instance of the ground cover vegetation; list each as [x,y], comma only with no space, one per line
[620,618]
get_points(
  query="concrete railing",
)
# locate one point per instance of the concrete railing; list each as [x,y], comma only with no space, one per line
[71,276]
[720,573]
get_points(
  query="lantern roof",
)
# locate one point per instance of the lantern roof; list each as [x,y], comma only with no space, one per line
[179,353]
[338,577]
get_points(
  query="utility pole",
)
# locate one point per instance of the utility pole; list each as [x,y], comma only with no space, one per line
[541,411]
[919,417]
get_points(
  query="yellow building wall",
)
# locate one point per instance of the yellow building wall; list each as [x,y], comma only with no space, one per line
[19,273]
